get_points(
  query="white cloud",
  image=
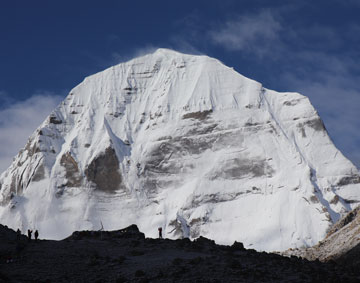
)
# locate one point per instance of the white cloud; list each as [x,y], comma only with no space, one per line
[19,120]
[5,99]
[257,33]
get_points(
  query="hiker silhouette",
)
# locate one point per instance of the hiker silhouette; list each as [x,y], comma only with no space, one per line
[160,232]
[29,234]
[36,234]
[18,234]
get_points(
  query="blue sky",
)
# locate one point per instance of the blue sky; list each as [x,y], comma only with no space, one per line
[48,47]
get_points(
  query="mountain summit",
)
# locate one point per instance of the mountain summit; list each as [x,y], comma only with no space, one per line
[184,143]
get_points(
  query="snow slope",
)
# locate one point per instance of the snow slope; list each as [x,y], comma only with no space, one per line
[186,143]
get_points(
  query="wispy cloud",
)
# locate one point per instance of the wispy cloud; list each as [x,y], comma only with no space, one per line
[18,121]
[5,99]
[183,45]
[256,33]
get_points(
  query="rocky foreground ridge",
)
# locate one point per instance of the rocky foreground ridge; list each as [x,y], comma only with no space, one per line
[127,256]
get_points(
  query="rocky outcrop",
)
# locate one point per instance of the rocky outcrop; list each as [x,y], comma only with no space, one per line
[103,171]
[39,173]
[54,120]
[72,174]
[200,115]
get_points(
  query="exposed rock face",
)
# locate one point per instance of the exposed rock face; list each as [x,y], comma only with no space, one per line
[200,115]
[73,175]
[239,168]
[39,173]
[184,143]
[54,120]
[104,171]
[355,179]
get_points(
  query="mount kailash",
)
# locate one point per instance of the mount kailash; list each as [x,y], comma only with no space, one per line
[185,143]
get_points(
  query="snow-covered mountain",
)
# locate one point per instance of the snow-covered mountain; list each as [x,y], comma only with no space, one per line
[186,143]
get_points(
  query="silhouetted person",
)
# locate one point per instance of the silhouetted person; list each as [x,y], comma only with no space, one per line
[29,234]
[160,233]
[18,235]
[36,235]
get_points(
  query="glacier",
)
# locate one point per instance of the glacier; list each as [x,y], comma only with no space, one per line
[185,143]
